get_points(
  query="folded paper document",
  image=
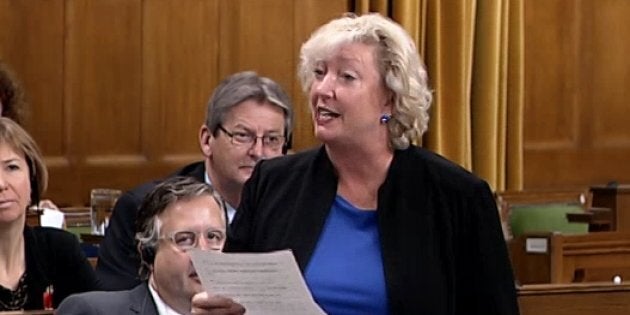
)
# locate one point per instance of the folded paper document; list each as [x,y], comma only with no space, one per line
[264,283]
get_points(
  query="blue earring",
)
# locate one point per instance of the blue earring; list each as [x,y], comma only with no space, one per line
[385,118]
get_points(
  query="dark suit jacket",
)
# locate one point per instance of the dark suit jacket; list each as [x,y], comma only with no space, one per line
[135,301]
[441,240]
[54,257]
[118,258]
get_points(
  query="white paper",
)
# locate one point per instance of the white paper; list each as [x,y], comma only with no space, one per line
[536,245]
[52,218]
[264,283]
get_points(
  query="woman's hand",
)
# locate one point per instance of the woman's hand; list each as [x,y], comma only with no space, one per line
[203,303]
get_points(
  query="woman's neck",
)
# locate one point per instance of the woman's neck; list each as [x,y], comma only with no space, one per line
[361,172]
[12,257]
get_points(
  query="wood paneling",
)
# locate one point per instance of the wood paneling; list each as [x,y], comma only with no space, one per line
[269,43]
[576,73]
[31,41]
[118,88]
[574,299]
[179,73]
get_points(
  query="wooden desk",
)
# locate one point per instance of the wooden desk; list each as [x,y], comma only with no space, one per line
[617,198]
[598,219]
[574,299]
[557,258]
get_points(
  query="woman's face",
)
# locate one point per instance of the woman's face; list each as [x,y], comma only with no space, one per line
[348,96]
[15,188]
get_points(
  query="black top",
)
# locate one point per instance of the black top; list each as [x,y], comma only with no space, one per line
[54,257]
[118,259]
[441,241]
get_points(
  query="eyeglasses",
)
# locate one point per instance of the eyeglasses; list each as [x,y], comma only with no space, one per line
[245,138]
[187,240]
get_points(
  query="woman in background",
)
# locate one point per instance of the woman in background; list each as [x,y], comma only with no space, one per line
[11,95]
[12,105]
[33,260]
[377,224]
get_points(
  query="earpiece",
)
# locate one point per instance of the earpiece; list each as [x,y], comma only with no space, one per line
[147,255]
[288,144]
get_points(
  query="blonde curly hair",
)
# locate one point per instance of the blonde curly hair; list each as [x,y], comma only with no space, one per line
[400,67]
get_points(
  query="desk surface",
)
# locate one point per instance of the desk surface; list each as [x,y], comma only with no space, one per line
[583,287]
[574,299]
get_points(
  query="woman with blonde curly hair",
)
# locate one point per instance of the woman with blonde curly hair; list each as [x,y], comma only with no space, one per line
[377,224]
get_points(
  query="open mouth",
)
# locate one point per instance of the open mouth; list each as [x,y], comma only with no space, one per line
[325,114]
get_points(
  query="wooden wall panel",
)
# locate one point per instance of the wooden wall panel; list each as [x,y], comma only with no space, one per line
[609,39]
[264,41]
[577,69]
[103,79]
[102,97]
[118,88]
[551,76]
[269,34]
[179,74]
[31,42]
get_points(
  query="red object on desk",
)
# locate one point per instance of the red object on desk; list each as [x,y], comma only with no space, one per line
[48,298]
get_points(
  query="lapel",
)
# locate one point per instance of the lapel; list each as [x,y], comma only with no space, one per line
[315,197]
[141,301]
[412,226]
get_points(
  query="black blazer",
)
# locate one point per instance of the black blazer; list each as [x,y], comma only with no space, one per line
[118,259]
[128,302]
[54,257]
[442,245]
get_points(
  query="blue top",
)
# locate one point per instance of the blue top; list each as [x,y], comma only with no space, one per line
[345,273]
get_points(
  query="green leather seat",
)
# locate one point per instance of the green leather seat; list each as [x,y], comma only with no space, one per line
[546,217]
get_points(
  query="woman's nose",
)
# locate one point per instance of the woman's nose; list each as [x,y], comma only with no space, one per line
[3,182]
[325,85]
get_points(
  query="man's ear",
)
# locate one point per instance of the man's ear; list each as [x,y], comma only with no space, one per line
[205,140]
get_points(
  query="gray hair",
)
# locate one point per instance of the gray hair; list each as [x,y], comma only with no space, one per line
[243,86]
[168,192]
[400,67]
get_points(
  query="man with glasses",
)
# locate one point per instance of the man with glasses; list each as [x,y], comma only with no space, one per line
[179,215]
[248,118]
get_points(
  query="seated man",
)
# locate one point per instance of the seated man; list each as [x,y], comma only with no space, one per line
[249,118]
[178,215]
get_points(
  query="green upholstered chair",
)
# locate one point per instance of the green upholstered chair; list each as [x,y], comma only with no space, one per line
[541,211]
[545,217]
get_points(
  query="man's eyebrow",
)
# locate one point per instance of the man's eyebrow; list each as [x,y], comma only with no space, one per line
[267,132]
